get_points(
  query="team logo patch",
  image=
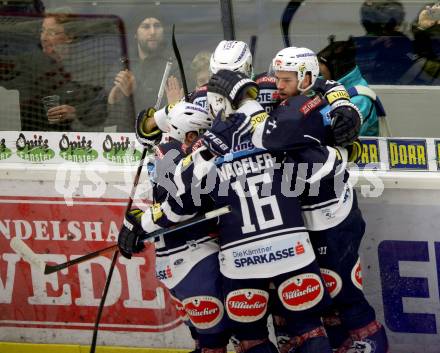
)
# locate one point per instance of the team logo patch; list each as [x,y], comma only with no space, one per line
[311,104]
[333,282]
[365,346]
[181,313]
[204,311]
[356,275]
[278,63]
[301,292]
[247,305]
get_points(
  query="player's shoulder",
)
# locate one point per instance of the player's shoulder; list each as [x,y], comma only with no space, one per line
[164,148]
[303,103]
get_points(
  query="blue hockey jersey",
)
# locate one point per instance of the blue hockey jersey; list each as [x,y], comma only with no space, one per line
[178,252]
[327,197]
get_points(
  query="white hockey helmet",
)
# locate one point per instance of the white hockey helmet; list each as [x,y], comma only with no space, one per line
[186,117]
[232,55]
[299,60]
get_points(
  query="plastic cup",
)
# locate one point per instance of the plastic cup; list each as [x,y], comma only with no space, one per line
[50,102]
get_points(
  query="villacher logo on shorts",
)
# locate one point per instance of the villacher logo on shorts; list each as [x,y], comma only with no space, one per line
[181,312]
[204,311]
[247,305]
[301,292]
[333,282]
[356,275]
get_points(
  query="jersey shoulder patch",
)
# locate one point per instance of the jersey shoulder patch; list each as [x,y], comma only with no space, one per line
[311,104]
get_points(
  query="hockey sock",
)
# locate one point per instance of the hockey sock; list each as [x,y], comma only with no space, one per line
[312,341]
[371,338]
[336,332]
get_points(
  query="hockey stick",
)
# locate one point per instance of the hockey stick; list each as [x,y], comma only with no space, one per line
[102,302]
[227,18]
[29,255]
[129,204]
[286,19]
[253,45]
[180,64]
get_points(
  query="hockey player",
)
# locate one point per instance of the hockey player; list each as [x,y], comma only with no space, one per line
[329,205]
[230,55]
[235,56]
[191,256]
[262,240]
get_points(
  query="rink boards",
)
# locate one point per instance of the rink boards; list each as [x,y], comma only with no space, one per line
[64,210]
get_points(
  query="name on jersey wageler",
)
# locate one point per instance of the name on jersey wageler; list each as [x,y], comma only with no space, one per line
[247,165]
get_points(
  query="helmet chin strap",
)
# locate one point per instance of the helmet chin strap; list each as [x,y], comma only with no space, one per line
[300,82]
[302,90]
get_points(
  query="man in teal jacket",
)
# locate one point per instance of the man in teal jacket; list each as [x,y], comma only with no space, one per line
[337,62]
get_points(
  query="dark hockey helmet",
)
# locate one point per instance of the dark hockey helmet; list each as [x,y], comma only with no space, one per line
[232,85]
[380,17]
[339,57]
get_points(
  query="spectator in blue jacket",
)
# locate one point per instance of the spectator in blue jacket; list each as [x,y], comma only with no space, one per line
[337,61]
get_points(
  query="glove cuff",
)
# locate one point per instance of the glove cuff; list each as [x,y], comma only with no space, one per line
[145,138]
[337,94]
[344,103]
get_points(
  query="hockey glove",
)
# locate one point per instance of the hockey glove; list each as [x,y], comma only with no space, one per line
[147,138]
[346,122]
[226,134]
[354,151]
[131,233]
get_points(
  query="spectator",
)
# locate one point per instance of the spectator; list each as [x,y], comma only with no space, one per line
[384,53]
[200,68]
[22,6]
[337,62]
[426,30]
[142,82]
[41,76]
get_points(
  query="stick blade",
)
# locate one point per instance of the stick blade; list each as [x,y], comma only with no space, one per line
[26,252]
